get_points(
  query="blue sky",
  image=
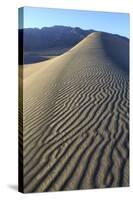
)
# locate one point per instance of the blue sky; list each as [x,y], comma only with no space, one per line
[117,23]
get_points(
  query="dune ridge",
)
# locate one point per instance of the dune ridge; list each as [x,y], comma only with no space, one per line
[76,118]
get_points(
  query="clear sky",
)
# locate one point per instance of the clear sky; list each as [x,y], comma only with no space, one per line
[117,23]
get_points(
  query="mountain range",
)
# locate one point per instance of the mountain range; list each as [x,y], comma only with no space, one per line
[50,37]
[37,45]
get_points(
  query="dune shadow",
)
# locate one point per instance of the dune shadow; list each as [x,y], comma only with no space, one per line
[117,48]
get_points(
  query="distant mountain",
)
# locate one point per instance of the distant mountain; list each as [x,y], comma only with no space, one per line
[36,45]
[52,37]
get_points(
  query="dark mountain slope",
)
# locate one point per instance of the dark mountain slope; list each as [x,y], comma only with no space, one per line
[52,37]
[37,45]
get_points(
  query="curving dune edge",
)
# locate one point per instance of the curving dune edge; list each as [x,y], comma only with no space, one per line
[76,118]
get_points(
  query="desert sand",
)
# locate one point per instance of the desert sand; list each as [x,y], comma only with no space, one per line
[75,111]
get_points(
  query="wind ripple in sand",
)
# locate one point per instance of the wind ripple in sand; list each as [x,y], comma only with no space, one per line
[76,120]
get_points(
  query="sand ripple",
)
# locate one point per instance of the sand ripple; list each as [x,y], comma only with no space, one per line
[74,119]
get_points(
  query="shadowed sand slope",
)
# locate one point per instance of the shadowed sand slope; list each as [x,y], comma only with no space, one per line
[76,118]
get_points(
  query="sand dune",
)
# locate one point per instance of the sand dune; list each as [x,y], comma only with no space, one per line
[76,118]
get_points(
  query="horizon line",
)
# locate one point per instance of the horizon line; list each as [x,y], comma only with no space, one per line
[40,28]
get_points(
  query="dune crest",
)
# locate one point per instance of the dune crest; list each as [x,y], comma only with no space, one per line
[76,117]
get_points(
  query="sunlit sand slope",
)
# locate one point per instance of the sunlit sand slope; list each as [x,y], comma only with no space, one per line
[76,118]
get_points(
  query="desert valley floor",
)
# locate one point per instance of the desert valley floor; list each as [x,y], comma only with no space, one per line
[74,117]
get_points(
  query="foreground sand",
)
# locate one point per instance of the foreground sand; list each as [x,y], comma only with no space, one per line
[76,118]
